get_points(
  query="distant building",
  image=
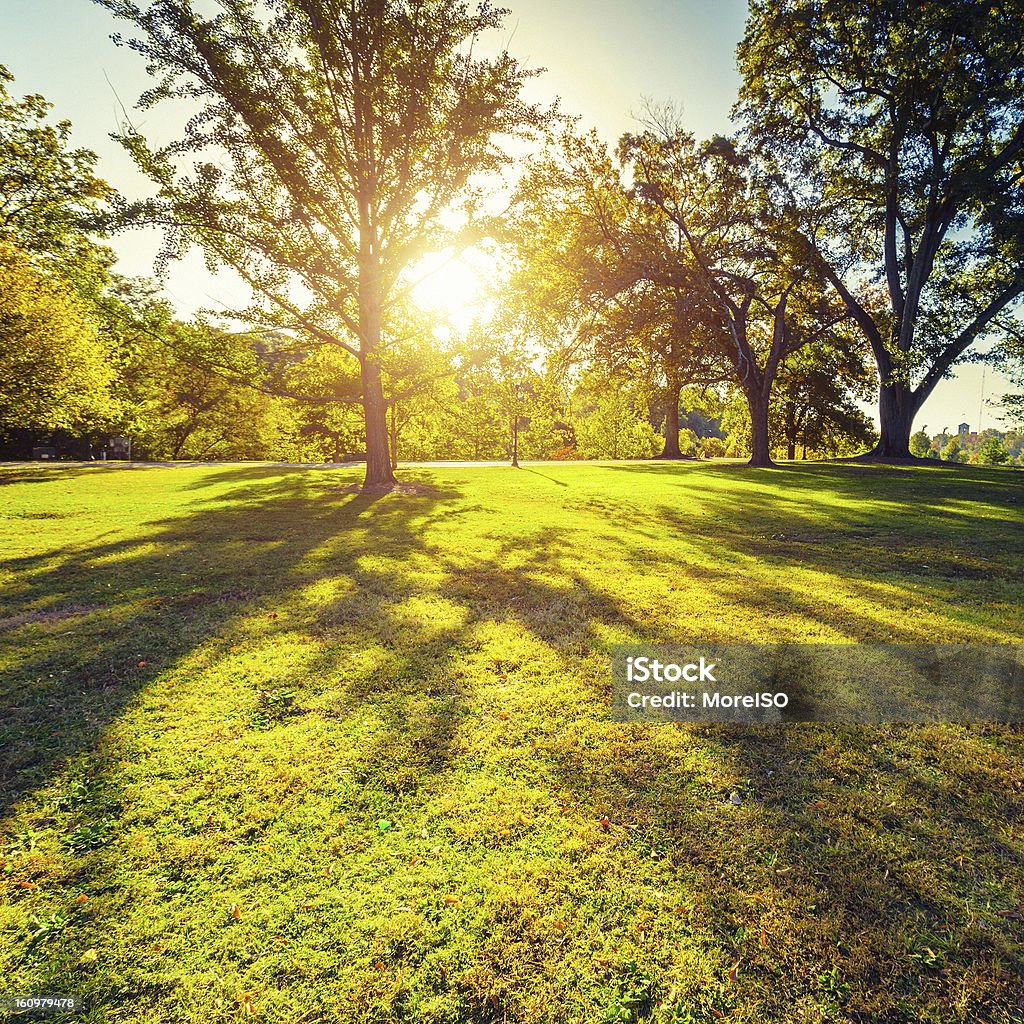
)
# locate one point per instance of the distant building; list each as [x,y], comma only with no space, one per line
[964,428]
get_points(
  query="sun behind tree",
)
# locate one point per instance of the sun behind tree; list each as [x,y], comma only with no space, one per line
[335,144]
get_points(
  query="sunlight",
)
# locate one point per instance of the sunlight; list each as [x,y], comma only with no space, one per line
[456,289]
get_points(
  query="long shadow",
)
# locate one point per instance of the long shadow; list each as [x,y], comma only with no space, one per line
[560,483]
[86,628]
[113,616]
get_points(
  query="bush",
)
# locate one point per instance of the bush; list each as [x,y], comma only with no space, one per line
[711,448]
[567,451]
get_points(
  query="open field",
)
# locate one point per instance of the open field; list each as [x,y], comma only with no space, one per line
[272,750]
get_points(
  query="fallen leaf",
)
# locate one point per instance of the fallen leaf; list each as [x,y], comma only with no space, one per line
[90,956]
[236,911]
[82,898]
[604,822]
[734,971]
[142,664]
[559,925]
[504,714]
[453,900]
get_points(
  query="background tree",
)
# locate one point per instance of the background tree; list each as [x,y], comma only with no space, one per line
[50,197]
[912,118]
[951,451]
[920,445]
[600,275]
[338,143]
[817,396]
[55,372]
[992,453]
[737,246]
[611,419]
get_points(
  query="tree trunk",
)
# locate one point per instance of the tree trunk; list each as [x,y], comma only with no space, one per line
[671,449]
[897,407]
[757,402]
[515,442]
[791,431]
[378,459]
[379,474]
[393,433]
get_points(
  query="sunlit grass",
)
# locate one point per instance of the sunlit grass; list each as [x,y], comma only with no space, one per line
[276,751]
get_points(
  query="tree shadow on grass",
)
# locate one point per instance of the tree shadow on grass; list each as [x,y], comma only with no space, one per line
[792,884]
[89,626]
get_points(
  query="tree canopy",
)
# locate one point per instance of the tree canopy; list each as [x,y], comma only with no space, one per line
[906,121]
[334,145]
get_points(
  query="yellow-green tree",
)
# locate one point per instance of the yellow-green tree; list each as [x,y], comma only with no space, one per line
[335,144]
[54,371]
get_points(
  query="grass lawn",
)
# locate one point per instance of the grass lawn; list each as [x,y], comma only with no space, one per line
[276,751]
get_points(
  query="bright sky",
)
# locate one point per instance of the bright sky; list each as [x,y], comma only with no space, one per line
[604,57]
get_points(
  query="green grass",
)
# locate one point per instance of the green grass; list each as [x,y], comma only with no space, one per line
[275,751]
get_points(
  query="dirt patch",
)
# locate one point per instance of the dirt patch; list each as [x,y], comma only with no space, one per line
[45,617]
[378,489]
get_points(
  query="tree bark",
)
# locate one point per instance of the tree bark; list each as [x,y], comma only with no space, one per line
[897,407]
[791,431]
[671,449]
[378,459]
[379,473]
[393,433]
[757,402]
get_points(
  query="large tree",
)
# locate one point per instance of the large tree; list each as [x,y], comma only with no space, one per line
[912,117]
[600,276]
[333,143]
[739,250]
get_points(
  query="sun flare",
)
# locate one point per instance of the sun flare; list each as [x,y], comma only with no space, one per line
[456,289]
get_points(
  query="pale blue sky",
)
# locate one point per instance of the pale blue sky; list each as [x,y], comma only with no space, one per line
[604,57]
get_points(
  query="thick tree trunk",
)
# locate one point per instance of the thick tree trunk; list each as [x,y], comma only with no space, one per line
[379,473]
[671,449]
[757,402]
[897,407]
